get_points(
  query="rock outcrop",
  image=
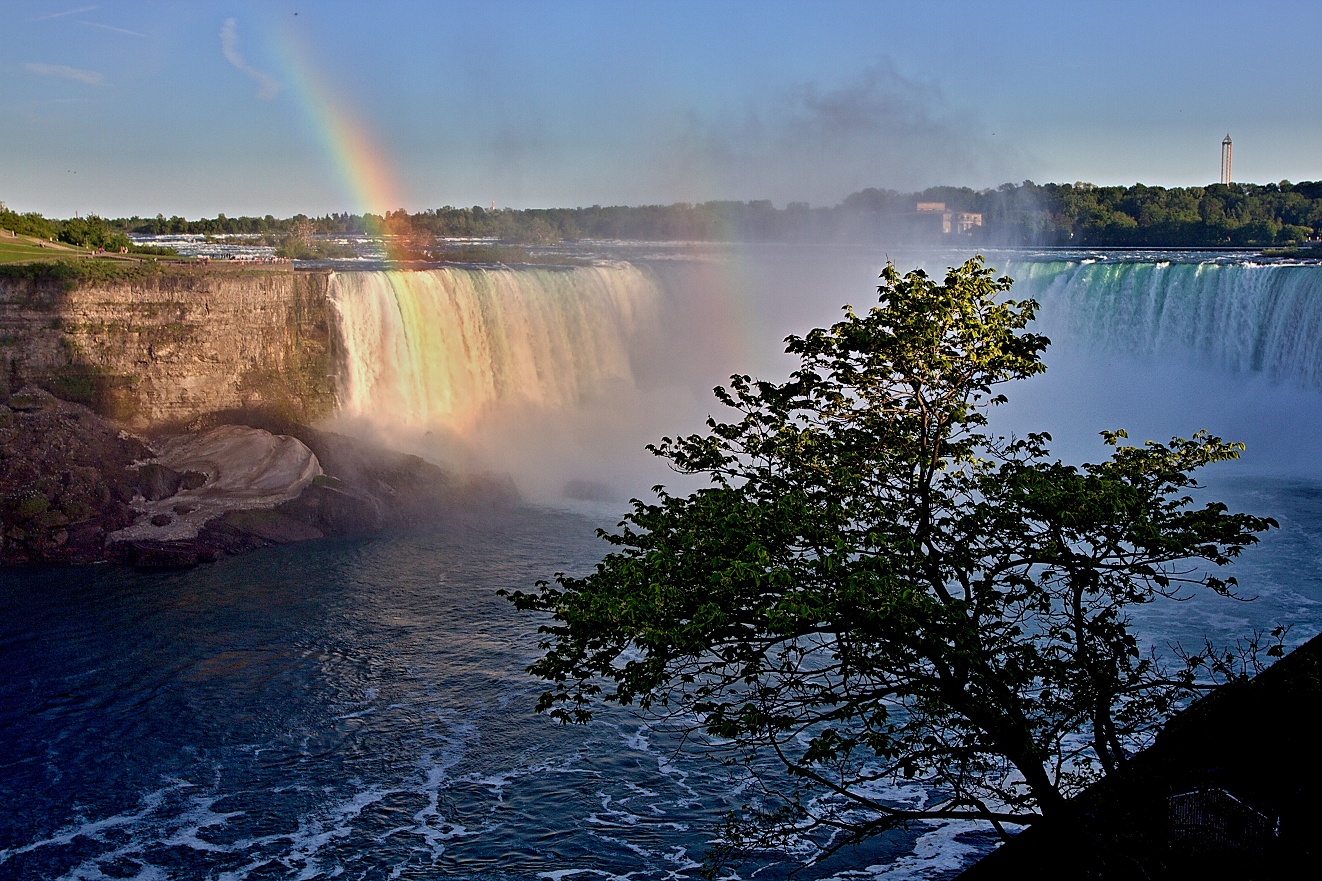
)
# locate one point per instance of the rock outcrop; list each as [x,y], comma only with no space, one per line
[171,355]
[66,479]
[74,488]
[1228,790]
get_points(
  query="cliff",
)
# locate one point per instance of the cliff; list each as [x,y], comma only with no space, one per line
[168,352]
[166,349]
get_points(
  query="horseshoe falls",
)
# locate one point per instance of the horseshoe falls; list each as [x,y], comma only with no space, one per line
[1242,318]
[359,708]
[1171,346]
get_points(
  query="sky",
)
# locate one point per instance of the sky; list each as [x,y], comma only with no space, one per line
[202,108]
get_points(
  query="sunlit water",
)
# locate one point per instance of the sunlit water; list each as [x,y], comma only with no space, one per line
[352,709]
[359,709]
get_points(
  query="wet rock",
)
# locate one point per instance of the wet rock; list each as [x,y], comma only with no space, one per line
[271,525]
[219,537]
[162,520]
[86,542]
[336,508]
[157,554]
[156,481]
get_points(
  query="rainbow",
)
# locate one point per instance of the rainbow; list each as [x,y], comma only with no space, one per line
[358,162]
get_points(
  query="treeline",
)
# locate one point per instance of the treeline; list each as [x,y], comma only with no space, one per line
[85,232]
[1217,215]
[1079,214]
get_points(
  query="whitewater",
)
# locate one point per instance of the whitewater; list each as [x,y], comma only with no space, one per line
[359,708]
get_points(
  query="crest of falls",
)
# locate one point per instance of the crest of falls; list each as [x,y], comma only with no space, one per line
[441,347]
[1242,318]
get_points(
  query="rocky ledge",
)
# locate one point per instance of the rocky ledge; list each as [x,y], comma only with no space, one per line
[76,489]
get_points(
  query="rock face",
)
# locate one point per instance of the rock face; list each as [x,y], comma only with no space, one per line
[235,468]
[66,480]
[76,489]
[163,350]
[1228,790]
[176,353]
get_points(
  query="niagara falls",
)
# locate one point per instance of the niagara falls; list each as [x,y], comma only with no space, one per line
[585,442]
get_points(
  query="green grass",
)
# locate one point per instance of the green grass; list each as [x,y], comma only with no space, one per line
[25,250]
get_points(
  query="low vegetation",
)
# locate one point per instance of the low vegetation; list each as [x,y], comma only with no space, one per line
[65,274]
[1278,215]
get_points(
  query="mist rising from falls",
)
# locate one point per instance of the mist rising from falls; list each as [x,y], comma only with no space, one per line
[561,376]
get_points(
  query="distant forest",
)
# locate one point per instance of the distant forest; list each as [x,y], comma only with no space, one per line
[1080,214]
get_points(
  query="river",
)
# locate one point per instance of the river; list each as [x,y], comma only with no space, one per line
[359,709]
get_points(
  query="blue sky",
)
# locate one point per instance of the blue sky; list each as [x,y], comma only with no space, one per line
[197,108]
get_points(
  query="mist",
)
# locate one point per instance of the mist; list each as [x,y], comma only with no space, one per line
[818,142]
[813,141]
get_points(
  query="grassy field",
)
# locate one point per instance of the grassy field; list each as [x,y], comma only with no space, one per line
[21,249]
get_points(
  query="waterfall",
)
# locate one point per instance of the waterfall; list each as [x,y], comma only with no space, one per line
[1243,318]
[563,375]
[1166,347]
[439,348]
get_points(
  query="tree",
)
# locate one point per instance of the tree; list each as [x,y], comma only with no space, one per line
[874,588]
[297,244]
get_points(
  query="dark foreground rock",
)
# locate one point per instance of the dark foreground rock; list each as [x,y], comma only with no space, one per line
[69,481]
[1229,790]
[66,478]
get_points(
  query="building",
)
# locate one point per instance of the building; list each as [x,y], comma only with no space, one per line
[958,222]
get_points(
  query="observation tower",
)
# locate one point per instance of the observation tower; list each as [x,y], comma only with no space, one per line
[1225,160]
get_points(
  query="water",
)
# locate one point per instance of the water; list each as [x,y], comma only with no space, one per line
[344,709]
[359,709]
[356,709]
[439,347]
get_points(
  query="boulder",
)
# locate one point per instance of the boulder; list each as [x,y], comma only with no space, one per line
[156,481]
[271,525]
[336,508]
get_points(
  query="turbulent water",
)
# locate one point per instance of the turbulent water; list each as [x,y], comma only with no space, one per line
[359,709]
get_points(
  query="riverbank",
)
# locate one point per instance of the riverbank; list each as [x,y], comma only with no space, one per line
[77,489]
